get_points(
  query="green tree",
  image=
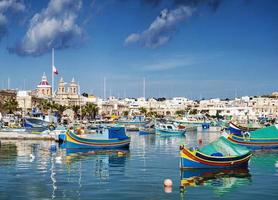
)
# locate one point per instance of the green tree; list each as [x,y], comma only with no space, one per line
[143,111]
[84,94]
[152,114]
[10,106]
[75,109]
[193,112]
[180,112]
[60,109]
[125,113]
[90,110]
[44,105]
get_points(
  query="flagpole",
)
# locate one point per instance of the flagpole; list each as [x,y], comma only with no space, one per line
[52,73]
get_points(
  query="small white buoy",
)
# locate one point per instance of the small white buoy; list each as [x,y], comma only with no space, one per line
[276,164]
[168,183]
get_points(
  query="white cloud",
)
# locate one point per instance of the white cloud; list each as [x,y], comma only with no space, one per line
[161,29]
[54,27]
[16,6]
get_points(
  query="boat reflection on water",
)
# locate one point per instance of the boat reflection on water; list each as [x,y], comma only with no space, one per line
[220,180]
[103,160]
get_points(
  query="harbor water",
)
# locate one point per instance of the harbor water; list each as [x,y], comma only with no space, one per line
[30,170]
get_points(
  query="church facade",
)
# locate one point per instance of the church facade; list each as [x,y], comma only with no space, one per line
[66,94]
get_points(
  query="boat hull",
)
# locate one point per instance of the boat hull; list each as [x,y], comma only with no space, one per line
[238,129]
[75,142]
[191,159]
[168,132]
[254,144]
[146,131]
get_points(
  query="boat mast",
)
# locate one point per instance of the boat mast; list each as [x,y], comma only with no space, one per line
[144,88]
[104,88]
[52,73]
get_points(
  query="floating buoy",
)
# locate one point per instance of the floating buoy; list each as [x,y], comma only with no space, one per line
[276,164]
[168,185]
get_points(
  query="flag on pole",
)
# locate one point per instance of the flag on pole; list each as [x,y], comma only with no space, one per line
[54,70]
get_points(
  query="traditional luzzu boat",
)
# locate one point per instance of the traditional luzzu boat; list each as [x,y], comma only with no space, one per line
[264,138]
[109,138]
[169,129]
[239,129]
[219,154]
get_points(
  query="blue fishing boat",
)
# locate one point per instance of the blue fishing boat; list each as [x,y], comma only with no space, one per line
[219,154]
[168,129]
[239,129]
[35,125]
[109,138]
[264,138]
[148,128]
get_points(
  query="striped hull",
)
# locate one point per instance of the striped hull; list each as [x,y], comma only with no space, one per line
[75,142]
[238,128]
[234,129]
[254,144]
[198,160]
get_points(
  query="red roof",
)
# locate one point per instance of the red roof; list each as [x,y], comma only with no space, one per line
[44,83]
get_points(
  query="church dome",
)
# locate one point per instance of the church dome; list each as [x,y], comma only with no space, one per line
[44,83]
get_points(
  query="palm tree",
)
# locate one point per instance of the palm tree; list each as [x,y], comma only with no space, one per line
[125,113]
[143,111]
[180,112]
[152,114]
[44,105]
[193,111]
[75,109]
[10,105]
[60,109]
[91,110]
[1,106]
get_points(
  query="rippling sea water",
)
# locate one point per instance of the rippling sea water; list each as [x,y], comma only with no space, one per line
[138,174]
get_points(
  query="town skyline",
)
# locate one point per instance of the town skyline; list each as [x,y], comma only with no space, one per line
[195,59]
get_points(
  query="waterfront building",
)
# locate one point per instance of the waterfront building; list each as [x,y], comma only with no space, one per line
[24,100]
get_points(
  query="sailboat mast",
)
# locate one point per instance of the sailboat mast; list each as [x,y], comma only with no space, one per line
[52,74]
[144,88]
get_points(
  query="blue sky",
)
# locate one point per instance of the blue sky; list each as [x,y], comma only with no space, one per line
[191,48]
